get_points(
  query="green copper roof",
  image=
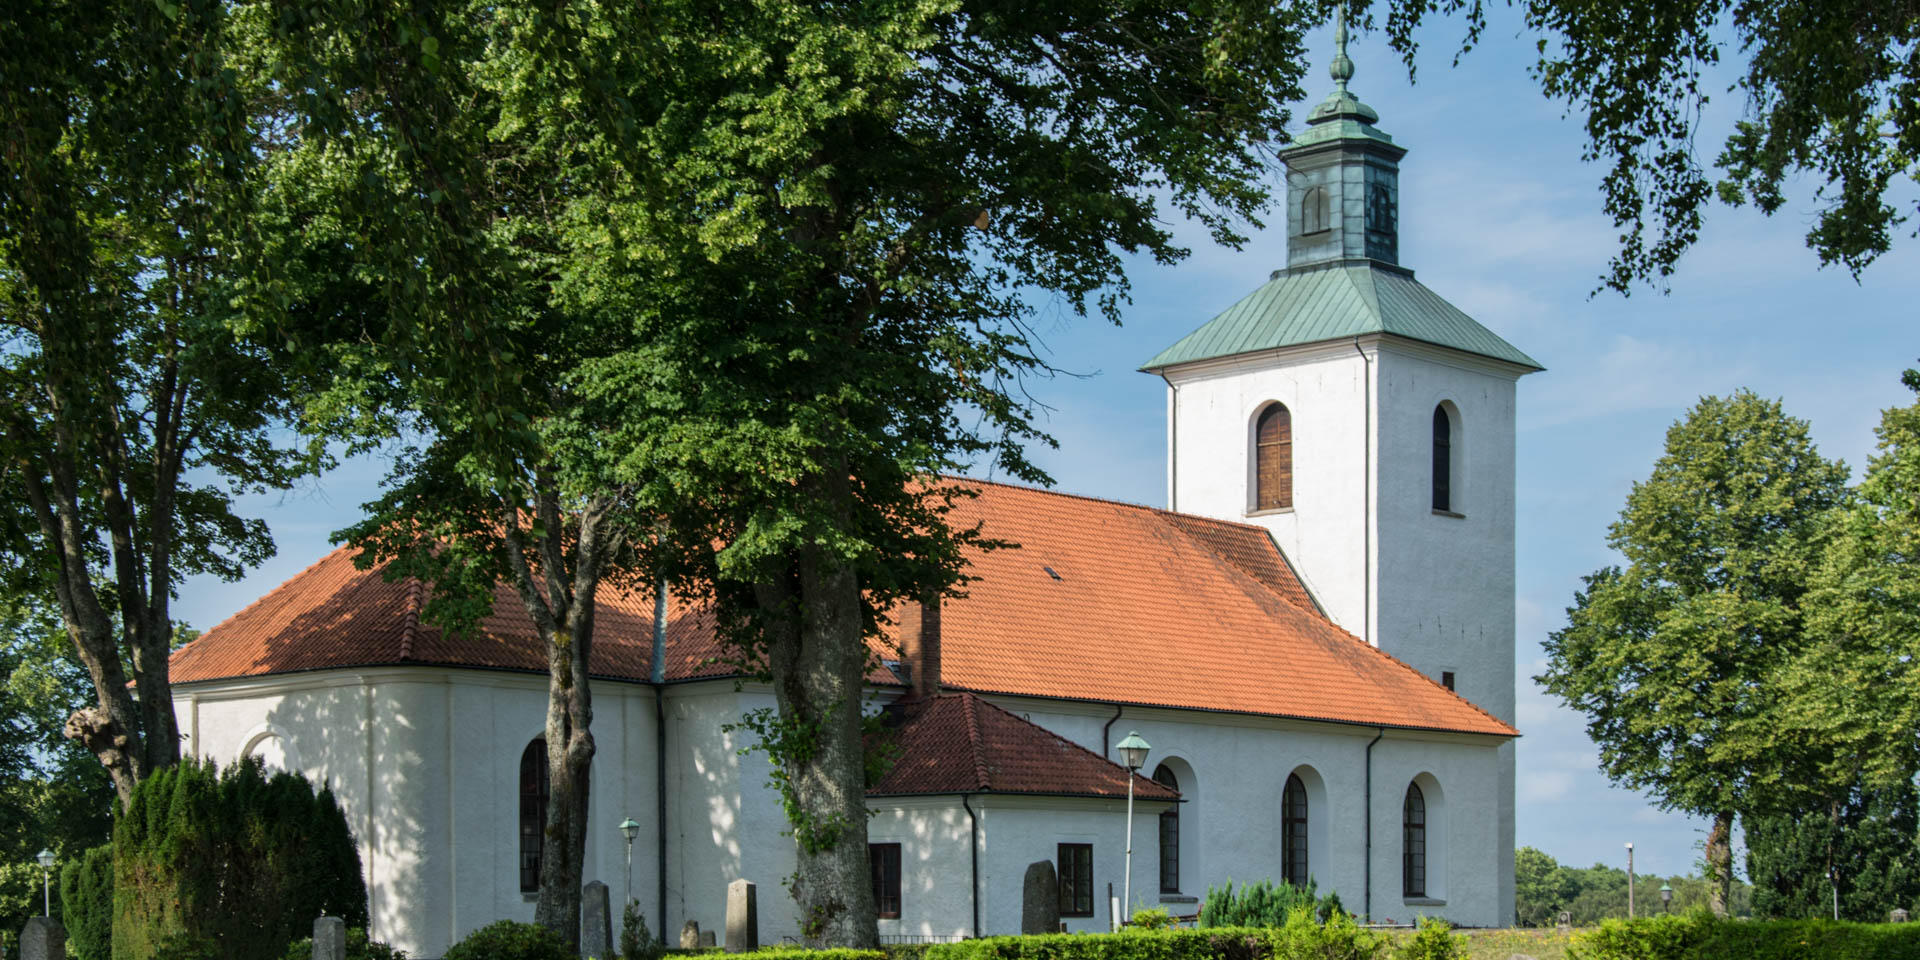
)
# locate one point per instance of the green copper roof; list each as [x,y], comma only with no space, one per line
[1341,299]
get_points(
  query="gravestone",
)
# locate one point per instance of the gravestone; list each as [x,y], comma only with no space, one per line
[743,917]
[1899,915]
[1040,899]
[596,922]
[1566,921]
[708,940]
[330,938]
[690,935]
[43,940]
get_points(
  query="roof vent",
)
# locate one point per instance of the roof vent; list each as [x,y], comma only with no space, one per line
[1050,573]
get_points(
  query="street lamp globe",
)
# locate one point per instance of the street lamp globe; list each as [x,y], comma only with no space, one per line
[1133,750]
[1666,895]
[46,859]
[629,828]
[46,882]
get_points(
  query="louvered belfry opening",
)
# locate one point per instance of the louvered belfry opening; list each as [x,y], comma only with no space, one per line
[1273,459]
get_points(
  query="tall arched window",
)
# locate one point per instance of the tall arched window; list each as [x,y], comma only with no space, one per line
[1313,210]
[1273,459]
[1293,832]
[534,789]
[1413,843]
[1442,459]
[1169,835]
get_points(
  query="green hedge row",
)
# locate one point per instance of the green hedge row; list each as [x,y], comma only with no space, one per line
[1301,938]
[1700,936]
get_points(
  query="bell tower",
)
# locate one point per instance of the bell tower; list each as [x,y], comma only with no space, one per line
[1366,423]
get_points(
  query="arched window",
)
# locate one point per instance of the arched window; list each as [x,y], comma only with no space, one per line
[1273,459]
[1313,210]
[1413,843]
[534,790]
[1442,459]
[1169,835]
[1293,832]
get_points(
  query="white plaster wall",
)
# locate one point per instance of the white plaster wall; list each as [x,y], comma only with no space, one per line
[1212,408]
[431,788]
[936,865]
[1240,765]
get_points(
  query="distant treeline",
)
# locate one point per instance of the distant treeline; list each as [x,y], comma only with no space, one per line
[1543,888]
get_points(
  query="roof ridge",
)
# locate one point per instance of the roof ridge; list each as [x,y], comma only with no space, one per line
[974,741]
[280,588]
[411,627]
[1111,501]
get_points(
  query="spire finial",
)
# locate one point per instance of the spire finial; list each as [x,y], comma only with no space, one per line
[1342,67]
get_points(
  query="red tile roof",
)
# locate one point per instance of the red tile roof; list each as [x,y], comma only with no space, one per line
[959,743]
[1143,606]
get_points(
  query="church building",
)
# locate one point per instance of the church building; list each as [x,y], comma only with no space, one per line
[1316,638]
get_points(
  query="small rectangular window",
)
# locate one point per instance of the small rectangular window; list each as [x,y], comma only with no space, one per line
[883,859]
[1446,679]
[1076,879]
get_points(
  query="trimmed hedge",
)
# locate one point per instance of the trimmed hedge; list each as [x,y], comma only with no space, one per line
[511,940]
[86,904]
[233,861]
[1701,936]
[1301,938]
[359,947]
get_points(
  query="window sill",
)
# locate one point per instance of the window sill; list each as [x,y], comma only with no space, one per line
[1449,513]
[1178,898]
[1423,902]
[526,897]
[1268,513]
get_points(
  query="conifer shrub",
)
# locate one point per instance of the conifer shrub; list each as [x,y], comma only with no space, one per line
[86,904]
[1264,904]
[637,942]
[510,940]
[233,859]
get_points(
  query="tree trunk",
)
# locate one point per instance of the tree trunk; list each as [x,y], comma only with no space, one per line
[818,661]
[1720,863]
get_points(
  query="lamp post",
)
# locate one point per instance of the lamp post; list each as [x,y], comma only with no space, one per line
[46,882]
[1629,880]
[629,828]
[1666,897]
[1133,752]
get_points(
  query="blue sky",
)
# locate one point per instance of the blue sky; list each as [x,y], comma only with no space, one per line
[1499,216]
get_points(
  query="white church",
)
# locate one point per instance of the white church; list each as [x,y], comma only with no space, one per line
[1316,637]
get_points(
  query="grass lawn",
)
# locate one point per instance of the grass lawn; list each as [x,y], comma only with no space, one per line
[1547,944]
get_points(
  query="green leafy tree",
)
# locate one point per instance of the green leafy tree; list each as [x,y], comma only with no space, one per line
[130,416]
[1829,90]
[1674,658]
[1542,888]
[1865,860]
[748,277]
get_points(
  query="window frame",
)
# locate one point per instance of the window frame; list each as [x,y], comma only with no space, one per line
[883,868]
[536,792]
[1315,211]
[1169,823]
[1442,479]
[1276,449]
[1295,849]
[1072,880]
[1413,843]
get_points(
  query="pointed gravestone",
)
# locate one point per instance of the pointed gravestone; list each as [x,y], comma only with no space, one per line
[690,935]
[708,940]
[743,917]
[596,922]
[330,938]
[1040,899]
[43,940]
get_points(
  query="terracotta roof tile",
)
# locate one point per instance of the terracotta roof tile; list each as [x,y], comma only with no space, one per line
[1143,606]
[958,743]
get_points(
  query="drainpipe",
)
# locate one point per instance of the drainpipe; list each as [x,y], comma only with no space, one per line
[1106,732]
[1367,807]
[1366,498]
[973,840]
[658,679]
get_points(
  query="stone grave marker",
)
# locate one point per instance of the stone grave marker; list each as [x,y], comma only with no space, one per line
[690,935]
[743,917]
[1040,899]
[708,940]
[43,939]
[1899,915]
[330,938]
[596,922]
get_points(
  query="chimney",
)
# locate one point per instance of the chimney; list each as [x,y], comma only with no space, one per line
[920,646]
